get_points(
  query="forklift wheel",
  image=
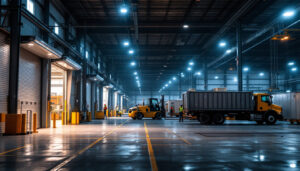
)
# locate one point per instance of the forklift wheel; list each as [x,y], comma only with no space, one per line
[158,116]
[139,116]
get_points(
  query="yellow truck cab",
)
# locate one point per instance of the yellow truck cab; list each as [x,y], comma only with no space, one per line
[150,110]
[264,105]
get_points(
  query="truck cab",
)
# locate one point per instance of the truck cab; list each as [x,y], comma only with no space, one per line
[149,110]
[264,105]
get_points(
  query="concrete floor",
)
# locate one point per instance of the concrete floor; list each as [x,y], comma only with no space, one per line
[125,144]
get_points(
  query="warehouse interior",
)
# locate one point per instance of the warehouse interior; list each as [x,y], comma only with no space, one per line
[103,84]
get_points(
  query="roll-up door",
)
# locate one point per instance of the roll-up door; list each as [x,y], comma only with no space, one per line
[29,84]
[4,73]
[98,98]
[88,96]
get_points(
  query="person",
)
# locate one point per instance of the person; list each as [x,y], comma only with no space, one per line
[105,108]
[181,113]
[117,111]
[172,111]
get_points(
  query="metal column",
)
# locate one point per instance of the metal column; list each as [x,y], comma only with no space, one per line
[225,79]
[239,57]
[205,76]
[15,29]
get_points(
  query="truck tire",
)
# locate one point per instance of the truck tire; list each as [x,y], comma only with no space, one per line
[158,116]
[204,118]
[139,116]
[270,118]
[218,118]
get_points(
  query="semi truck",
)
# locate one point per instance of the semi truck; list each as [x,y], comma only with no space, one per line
[213,107]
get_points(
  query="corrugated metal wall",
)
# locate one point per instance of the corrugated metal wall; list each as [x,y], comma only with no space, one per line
[4,73]
[29,83]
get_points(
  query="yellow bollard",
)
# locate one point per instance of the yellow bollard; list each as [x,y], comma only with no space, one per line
[35,123]
[54,120]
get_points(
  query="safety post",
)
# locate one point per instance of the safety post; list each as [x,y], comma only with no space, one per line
[34,123]
[54,120]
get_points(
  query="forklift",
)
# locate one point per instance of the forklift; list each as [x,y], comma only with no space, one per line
[151,109]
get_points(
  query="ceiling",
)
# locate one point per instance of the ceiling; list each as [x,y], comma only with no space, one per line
[162,46]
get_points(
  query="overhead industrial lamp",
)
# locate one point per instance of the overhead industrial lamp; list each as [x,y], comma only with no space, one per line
[109,86]
[39,48]
[95,77]
[67,63]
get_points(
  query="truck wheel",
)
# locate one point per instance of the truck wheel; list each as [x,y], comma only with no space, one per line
[204,119]
[134,118]
[270,118]
[158,116]
[139,116]
[218,119]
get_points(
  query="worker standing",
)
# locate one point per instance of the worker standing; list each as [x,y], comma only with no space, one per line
[181,113]
[105,108]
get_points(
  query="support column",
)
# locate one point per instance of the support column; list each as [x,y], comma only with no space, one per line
[239,57]
[205,76]
[46,14]
[225,78]
[45,79]
[15,31]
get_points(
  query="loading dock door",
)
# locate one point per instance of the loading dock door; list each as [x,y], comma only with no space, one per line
[88,96]
[58,93]
[105,97]
[4,73]
[29,85]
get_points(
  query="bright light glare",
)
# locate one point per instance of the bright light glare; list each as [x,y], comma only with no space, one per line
[123,10]
[291,63]
[288,14]
[228,51]
[135,73]
[293,165]
[246,69]
[288,91]
[222,44]
[261,74]
[131,51]
[235,79]
[137,78]
[186,26]
[294,69]
[167,85]
[170,82]
[191,63]
[189,68]
[174,78]
[216,77]
[198,73]
[132,63]
[126,43]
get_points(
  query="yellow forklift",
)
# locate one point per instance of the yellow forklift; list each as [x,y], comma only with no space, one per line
[151,109]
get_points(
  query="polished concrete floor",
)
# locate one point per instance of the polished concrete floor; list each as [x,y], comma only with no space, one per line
[125,144]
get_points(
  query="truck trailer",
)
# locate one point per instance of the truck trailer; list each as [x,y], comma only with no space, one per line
[214,107]
[290,103]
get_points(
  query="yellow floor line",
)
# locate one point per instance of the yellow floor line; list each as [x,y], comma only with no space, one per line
[15,149]
[184,140]
[84,149]
[150,150]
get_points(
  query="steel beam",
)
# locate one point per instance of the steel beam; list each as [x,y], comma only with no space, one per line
[239,57]
[15,31]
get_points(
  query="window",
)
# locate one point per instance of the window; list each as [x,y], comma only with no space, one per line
[30,6]
[265,98]
[56,28]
